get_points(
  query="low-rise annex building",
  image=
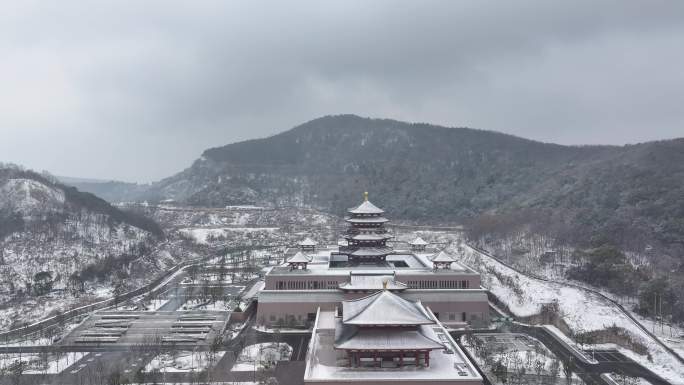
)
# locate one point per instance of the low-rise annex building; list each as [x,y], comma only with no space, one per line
[328,275]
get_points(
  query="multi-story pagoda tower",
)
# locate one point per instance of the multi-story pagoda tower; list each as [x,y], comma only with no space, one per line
[366,234]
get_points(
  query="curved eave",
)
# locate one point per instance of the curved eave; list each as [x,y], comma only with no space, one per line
[369,220]
[377,349]
[383,324]
[366,237]
[386,340]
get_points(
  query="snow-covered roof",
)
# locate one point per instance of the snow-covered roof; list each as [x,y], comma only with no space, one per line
[372,282]
[299,258]
[308,242]
[355,338]
[366,208]
[384,308]
[418,242]
[367,220]
[442,257]
[370,237]
[447,365]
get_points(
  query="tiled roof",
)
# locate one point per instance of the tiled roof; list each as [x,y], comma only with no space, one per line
[366,208]
[308,242]
[369,237]
[367,220]
[354,338]
[384,308]
[442,257]
[299,258]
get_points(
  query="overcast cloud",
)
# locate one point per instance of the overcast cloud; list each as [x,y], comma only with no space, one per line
[136,90]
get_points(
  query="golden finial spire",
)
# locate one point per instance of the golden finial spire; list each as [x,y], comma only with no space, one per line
[384,285]
[365,196]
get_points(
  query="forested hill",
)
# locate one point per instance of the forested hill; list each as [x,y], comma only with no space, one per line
[633,194]
[417,171]
[27,196]
[54,237]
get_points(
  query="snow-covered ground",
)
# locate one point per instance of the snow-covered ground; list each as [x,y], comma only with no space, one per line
[261,356]
[183,361]
[521,355]
[582,311]
[236,329]
[625,380]
[38,339]
[672,336]
[209,278]
[205,235]
[155,304]
[218,305]
[40,363]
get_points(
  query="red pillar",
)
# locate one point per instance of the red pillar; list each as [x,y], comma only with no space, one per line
[375,358]
[417,358]
[401,359]
[427,358]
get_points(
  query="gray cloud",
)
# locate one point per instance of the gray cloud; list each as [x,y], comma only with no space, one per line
[121,90]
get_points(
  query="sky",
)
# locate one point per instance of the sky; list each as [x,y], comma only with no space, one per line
[136,90]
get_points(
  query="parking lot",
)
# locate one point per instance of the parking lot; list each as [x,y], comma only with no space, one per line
[140,328]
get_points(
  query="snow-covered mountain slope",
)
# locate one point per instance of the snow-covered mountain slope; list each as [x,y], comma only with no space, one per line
[30,197]
[52,236]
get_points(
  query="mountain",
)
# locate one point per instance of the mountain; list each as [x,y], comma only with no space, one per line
[417,171]
[632,194]
[29,196]
[111,190]
[47,227]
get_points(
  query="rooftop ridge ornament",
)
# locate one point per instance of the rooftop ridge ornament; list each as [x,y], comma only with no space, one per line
[365,196]
[384,285]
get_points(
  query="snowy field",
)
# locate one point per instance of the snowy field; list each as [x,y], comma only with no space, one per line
[183,361]
[581,310]
[672,336]
[204,235]
[261,356]
[626,380]
[40,363]
[218,305]
[521,355]
[209,278]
